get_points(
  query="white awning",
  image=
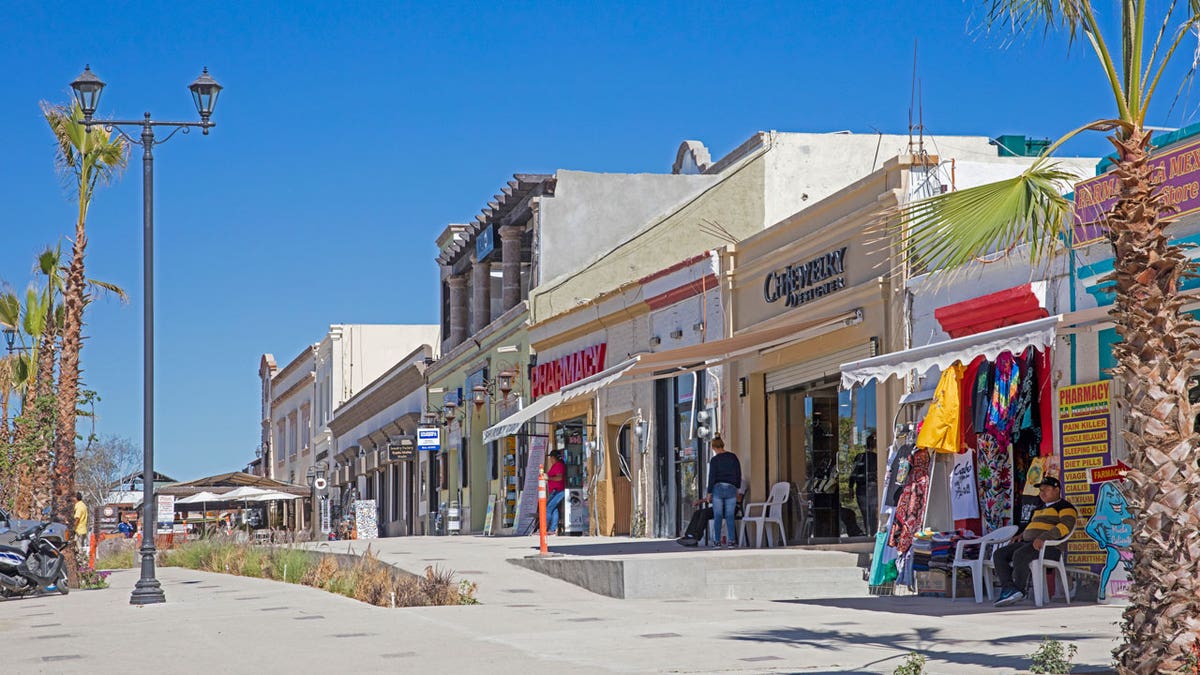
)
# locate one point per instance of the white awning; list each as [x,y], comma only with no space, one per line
[592,383]
[512,424]
[1037,333]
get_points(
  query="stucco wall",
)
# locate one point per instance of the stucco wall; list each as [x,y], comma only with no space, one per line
[735,204]
[368,351]
[590,213]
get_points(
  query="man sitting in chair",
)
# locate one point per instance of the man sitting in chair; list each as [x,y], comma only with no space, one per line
[1054,519]
[702,516]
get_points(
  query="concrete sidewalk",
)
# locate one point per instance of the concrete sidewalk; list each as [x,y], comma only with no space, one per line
[528,623]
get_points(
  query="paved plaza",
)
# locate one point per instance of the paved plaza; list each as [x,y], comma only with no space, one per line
[526,623]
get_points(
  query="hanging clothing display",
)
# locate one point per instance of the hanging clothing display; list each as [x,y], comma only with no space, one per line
[967,417]
[910,512]
[981,396]
[1005,386]
[995,484]
[897,473]
[941,431]
[964,499]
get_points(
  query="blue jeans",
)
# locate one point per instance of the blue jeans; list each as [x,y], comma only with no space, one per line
[552,509]
[724,503]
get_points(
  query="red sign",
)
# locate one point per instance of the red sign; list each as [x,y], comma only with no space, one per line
[1177,174]
[553,375]
[1104,474]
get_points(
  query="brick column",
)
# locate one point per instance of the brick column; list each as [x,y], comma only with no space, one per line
[458,309]
[510,253]
[481,295]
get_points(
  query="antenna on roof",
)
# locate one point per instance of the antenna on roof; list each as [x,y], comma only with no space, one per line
[916,99]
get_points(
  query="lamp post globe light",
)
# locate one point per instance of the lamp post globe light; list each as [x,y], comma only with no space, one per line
[87,89]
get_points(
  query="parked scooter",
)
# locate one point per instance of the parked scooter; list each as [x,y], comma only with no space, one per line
[32,562]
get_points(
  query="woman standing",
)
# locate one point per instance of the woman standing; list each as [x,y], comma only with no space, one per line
[724,477]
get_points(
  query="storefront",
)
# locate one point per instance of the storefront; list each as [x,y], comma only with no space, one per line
[818,274]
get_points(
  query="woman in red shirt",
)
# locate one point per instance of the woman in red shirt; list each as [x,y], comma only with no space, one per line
[556,485]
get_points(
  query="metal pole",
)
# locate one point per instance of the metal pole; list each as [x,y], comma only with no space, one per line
[148,591]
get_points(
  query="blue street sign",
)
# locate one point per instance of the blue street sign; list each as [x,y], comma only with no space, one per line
[429,438]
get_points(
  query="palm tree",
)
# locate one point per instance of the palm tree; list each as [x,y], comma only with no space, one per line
[89,158]
[1156,354]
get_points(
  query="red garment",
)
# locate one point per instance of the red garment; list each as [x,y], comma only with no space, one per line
[1045,401]
[967,423]
[556,477]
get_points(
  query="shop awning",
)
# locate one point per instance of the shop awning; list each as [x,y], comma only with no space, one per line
[512,424]
[1037,333]
[708,354]
[673,362]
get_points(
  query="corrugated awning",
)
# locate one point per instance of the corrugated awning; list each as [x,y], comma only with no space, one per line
[512,424]
[1038,333]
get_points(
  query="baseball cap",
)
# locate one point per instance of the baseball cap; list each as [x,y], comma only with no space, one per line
[1049,481]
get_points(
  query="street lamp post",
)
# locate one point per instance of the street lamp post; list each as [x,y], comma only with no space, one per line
[87,89]
[10,341]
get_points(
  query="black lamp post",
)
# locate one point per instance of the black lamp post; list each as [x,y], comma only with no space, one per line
[10,341]
[87,88]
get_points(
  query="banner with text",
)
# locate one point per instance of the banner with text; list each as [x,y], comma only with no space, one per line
[1085,436]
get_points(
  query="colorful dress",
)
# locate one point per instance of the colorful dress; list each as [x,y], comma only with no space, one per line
[910,512]
[994,469]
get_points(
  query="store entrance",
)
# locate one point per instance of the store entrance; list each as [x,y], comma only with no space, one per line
[827,448]
[679,454]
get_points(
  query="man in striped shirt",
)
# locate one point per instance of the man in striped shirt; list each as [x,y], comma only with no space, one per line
[1054,519]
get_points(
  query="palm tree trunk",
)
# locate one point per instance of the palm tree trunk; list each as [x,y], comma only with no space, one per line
[42,481]
[68,385]
[1156,356]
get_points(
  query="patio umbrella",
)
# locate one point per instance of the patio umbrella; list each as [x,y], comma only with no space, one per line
[273,496]
[200,498]
[243,493]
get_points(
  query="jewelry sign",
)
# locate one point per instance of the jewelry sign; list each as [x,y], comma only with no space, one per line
[1176,173]
[804,282]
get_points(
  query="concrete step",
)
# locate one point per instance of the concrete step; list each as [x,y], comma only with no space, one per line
[785,583]
[783,559]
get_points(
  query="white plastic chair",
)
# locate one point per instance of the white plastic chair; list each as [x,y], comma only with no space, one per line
[987,545]
[1038,569]
[769,512]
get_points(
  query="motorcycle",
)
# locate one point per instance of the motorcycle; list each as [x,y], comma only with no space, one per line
[32,561]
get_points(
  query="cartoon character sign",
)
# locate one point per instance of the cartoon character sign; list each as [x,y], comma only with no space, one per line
[1112,531]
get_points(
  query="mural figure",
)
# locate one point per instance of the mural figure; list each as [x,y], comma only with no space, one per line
[1112,531]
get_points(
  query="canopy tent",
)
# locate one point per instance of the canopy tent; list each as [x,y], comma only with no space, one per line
[1038,333]
[244,493]
[224,482]
[672,362]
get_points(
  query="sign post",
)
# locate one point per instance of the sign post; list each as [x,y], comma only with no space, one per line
[542,508]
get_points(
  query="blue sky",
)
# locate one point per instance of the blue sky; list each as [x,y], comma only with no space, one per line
[350,134]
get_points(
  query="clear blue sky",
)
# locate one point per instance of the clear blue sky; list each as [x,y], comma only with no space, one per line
[350,134]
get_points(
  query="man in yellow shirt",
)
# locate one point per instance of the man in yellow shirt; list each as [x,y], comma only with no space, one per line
[81,526]
[1051,521]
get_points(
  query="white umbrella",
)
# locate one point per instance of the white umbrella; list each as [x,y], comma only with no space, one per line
[273,496]
[243,493]
[200,498]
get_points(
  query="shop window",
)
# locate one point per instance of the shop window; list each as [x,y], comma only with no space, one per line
[494,460]
[464,462]
[623,455]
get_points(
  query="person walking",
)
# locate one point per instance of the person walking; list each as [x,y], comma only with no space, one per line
[81,527]
[556,486]
[724,479]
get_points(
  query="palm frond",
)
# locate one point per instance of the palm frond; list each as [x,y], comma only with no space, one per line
[34,321]
[10,309]
[105,287]
[950,230]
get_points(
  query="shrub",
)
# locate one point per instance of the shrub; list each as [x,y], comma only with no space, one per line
[116,560]
[367,580]
[913,664]
[1052,657]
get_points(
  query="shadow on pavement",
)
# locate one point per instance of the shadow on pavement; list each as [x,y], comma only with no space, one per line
[928,641]
[924,606]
